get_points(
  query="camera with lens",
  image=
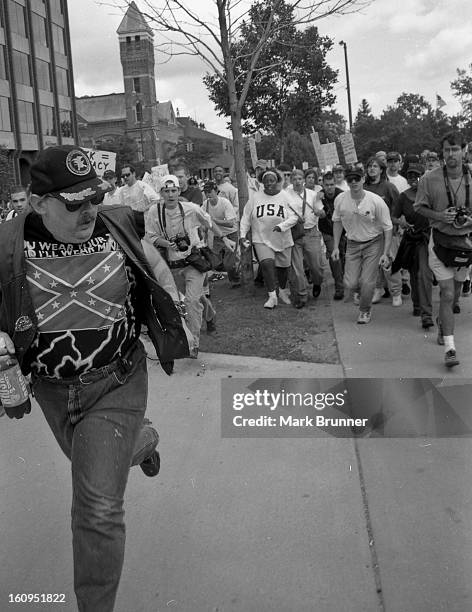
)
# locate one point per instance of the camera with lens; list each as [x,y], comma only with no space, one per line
[182,242]
[462,214]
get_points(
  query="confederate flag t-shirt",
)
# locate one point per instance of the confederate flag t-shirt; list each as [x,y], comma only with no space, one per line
[84,298]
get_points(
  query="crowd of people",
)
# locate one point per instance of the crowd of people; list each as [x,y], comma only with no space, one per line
[80,282]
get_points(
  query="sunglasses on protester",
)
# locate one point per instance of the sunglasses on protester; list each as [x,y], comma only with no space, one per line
[75,206]
[353,179]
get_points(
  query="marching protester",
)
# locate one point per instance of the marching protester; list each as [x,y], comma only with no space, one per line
[443,197]
[222,214]
[376,182]
[340,181]
[366,219]
[19,201]
[306,242]
[311,180]
[268,216]
[112,196]
[87,364]
[327,196]
[174,226]
[136,194]
[394,163]
[188,192]
[413,250]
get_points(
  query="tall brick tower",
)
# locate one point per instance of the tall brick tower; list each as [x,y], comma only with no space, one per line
[137,59]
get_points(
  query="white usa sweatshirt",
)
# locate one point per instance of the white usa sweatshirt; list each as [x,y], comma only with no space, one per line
[262,213]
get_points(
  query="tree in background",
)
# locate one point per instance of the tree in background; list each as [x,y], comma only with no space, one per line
[462,89]
[295,85]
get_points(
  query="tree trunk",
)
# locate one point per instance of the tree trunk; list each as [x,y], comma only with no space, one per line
[247,273]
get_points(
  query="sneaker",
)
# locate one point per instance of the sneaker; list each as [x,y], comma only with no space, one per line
[272,301]
[211,327]
[466,288]
[450,359]
[440,338]
[386,293]
[378,294]
[152,464]
[284,296]
[456,309]
[364,317]
[299,304]
[427,322]
[406,289]
[356,298]
[316,290]
[397,300]
[338,295]
[416,311]
[193,353]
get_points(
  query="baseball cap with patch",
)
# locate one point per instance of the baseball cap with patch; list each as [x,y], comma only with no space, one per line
[170,178]
[393,156]
[66,173]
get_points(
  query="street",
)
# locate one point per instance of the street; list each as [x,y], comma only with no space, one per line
[318,524]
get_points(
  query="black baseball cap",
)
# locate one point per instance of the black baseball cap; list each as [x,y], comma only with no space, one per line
[67,174]
[210,185]
[393,156]
[354,171]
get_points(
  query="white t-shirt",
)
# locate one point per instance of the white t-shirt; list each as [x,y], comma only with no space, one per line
[228,191]
[312,204]
[112,197]
[399,181]
[363,220]
[139,196]
[264,212]
[223,211]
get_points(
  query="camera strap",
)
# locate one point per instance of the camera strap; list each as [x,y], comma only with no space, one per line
[451,195]
[163,221]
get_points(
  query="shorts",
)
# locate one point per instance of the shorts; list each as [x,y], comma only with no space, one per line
[440,271]
[283,259]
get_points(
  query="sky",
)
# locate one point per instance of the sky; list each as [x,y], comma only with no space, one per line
[393,46]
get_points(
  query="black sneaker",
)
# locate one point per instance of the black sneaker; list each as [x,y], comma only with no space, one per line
[416,311]
[386,293]
[427,322]
[316,290]
[152,464]
[299,304]
[456,309]
[440,338]
[450,359]
[338,295]
[406,289]
[466,288]
[211,327]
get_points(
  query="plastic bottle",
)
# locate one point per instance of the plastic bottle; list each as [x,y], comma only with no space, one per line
[14,391]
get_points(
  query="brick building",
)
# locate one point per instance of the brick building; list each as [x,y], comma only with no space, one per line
[154,126]
[37,104]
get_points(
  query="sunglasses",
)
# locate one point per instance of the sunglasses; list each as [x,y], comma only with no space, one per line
[353,179]
[125,175]
[75,206]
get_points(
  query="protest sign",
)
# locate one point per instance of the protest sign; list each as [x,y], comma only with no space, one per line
[315,139]
[330,154]
[253,151]
[101,160]
[349,148]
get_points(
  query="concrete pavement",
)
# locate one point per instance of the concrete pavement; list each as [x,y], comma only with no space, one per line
[321,525]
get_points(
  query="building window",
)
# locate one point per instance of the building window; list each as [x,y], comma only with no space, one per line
[48,124]
[136,85]
[65,119]
[39,30]
[137,43]
[62,81]
[58,39]
[3,70]
[26,117]
[21,68]
[17,18]
[56,7]
[5,121]
[139,112]
[43,74]
[128,40]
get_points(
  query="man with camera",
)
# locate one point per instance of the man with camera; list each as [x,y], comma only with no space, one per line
[444,198]
[174,225]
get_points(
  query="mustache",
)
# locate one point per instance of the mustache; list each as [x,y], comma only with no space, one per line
[86,217]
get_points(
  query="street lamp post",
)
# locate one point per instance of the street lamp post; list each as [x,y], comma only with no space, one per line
[348,87]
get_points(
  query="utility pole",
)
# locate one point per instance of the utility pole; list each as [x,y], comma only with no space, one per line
[348,87]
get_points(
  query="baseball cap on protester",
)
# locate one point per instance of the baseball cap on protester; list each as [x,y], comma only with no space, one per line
[108,174]
[354,171]
[67,174]
[170,178]
[415,169]
[393,156]
[210,185]
[338,168]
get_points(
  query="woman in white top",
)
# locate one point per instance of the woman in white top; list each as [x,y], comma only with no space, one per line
[268,216]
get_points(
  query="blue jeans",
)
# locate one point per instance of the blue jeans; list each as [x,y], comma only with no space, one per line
[97,420]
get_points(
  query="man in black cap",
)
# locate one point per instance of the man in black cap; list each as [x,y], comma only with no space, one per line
[394,161]
[76,288]
[366,219]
